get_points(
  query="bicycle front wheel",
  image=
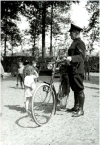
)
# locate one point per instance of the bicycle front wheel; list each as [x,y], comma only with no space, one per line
[43,104]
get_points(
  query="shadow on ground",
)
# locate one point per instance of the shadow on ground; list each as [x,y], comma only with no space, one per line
[17,108]
[26,119]
[19,122]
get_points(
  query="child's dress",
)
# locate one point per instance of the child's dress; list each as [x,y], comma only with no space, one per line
[30,85]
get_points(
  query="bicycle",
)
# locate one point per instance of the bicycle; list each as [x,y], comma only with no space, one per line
[45,97]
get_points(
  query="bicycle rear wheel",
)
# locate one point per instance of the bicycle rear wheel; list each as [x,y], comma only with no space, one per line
[64,90]
[43,104]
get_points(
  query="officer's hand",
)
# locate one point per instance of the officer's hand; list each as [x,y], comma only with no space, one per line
[69,58]
[64,58]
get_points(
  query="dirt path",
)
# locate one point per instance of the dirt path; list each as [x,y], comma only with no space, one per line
[18,129]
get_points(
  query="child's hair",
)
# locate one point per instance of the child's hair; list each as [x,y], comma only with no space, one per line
[33,62]
[28,70]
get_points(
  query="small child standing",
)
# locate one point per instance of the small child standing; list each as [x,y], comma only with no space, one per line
[30,85]
[2,69]
[87,66]
[20,76]
[35,68]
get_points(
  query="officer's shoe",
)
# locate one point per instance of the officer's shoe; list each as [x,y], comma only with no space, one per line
[74,109]
[78,113]
[71,110]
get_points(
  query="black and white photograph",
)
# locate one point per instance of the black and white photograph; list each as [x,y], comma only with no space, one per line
[49,84]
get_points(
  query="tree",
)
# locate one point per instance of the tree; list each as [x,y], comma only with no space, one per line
[92,31]
[41,19]
[9,11]
[14,36]
[43,16]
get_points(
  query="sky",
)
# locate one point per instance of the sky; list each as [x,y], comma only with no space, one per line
[79,14]
[23,24]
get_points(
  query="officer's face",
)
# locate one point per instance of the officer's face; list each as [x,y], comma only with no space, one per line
[73,35]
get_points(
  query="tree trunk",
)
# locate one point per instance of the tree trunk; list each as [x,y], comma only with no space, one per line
[12,48]
[34,38]
[12,43]
[5,45]
[5,35]
[43,29]
[51,52]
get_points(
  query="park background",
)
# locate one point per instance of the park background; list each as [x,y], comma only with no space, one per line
[40,29]
[22,34]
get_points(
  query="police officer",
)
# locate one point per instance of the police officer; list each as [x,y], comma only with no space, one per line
[76,56]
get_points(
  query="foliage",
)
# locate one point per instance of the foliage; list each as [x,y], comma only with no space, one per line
[9,30]
[93,26]
[41,19]
[9,9]
[92,31]
[33,11]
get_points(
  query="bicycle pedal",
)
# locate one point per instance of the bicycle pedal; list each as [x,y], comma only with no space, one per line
[63,109]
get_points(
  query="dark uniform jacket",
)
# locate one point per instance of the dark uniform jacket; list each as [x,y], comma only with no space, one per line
[77,52]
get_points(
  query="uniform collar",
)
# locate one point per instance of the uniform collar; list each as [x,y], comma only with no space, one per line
[77,39]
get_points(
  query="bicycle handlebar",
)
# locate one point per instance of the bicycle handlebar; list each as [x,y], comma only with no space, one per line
[58,61]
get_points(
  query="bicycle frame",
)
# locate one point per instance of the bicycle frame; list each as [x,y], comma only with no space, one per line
[49,100]
[52,82]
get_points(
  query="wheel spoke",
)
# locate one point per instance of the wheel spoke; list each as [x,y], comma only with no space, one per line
[43,104]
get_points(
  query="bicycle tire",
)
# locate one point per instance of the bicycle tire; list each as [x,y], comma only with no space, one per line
[43,104]
[65,86]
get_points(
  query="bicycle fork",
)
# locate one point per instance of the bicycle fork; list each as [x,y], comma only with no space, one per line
[56,98]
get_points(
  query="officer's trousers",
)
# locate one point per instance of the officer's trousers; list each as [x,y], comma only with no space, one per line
[76,84]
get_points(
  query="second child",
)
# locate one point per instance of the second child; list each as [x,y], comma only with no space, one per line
[20,76]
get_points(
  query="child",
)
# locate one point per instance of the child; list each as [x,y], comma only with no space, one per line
[87,65]
[30,85]
[20,75]
[2,69]
[35,68]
